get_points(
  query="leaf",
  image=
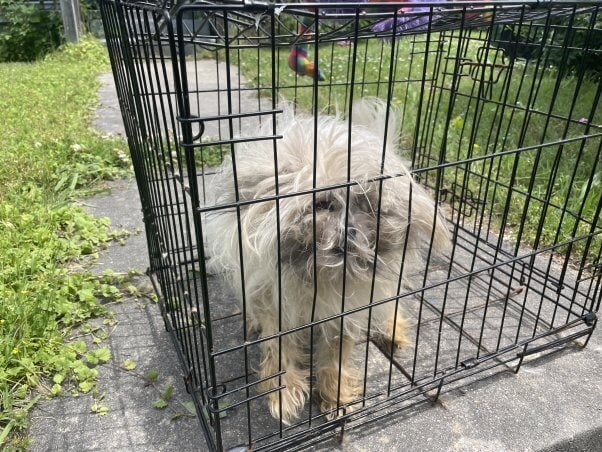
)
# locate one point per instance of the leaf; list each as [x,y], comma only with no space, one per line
[91,358]
[86,249]
[152,375]
[22,391]
[6,431]
[55,389]
[129,364]
[99,409]
[104,355]
[61,182]
[58,379]
[83,372]
[79,347]
[74,182]
[86,386]
[189,406]
[167,393]
[220,405]
[86,295]
[160,404]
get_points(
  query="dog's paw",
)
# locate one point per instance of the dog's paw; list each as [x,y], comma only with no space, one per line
[291,398]
[330,411]
[331,392]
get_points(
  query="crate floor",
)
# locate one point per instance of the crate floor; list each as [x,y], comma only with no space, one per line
[492,302]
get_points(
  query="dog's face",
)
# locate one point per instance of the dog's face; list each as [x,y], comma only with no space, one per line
[347,225]
[342,229]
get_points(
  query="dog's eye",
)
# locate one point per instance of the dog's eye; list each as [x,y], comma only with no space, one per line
[324,205]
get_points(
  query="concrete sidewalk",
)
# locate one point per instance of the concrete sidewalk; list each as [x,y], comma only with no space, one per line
[553,404]
[132,423]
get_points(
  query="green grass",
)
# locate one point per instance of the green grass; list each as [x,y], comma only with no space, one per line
[210,155]
[48,156]
[474,126]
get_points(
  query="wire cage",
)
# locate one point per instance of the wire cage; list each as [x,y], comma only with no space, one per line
[495,111]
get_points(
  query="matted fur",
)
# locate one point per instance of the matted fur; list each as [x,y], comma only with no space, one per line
[282,292]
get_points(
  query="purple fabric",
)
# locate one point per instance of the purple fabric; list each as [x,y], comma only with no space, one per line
[411,18]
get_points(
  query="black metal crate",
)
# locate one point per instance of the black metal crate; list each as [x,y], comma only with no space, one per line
[498,115]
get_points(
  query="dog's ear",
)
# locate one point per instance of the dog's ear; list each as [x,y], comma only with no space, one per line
[373,114]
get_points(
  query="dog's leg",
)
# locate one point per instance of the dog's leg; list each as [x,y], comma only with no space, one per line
[334,384]
[288,357]
[395,327]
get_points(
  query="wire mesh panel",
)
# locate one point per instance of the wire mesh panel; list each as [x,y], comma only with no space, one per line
[351,207]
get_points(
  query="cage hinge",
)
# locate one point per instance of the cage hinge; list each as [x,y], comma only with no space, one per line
[213,409]
[214,393]
[590,318]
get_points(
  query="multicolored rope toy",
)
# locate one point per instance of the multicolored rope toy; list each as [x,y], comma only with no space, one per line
[298,59]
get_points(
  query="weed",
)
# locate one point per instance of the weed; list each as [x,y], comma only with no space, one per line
[129,364]
[48,156]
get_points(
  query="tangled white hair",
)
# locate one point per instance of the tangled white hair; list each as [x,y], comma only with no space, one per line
[309,233]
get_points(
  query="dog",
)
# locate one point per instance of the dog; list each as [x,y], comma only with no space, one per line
[327,222]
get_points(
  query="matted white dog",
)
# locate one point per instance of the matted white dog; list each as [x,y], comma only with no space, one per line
[317,260]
